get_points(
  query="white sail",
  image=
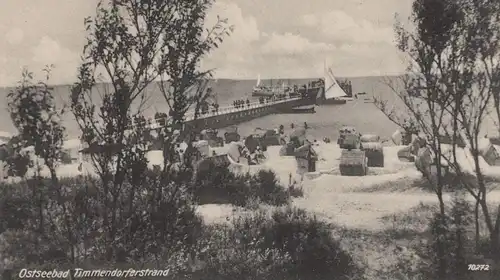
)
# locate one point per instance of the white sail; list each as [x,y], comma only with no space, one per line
[258,81]
[332,88]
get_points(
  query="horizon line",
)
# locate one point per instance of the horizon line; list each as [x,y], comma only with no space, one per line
[240,79]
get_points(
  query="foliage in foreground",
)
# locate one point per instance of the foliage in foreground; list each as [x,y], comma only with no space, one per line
[286,244]
[34,224]
[453,234]
[219,185]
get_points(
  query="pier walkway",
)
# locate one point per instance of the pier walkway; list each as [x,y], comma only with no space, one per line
[229,115]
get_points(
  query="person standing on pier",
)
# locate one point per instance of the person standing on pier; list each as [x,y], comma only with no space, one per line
[304,92]
[204,108]
[248,103]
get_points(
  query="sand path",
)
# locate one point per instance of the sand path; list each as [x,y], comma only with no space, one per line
[346,205]
[351,201]
[351,207]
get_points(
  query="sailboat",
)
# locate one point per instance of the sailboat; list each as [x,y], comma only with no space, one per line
[332,92]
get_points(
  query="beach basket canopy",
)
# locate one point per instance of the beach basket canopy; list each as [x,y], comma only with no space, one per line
[347,129]
[232,129]
[305,151]
[270,133]
[370,138]
[251,143]
[397,137]
[373,146]
[234,150]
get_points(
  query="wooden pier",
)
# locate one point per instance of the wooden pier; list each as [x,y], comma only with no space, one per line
[228,116]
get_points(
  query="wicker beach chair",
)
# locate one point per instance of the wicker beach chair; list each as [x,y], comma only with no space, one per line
[353,163]
[374,153]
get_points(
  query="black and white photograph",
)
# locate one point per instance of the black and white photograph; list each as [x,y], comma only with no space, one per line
[250,139]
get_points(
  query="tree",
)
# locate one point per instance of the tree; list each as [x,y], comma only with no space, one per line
[38,121]
[133,44]
[486,38]
[448,89]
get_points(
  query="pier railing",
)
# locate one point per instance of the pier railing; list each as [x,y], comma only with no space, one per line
[190,116]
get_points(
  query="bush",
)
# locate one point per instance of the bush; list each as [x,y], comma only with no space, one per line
[35,222]
[267,188]
[219,185]
[225,256]
[295,191]
[288,244]
[309,243]
[450,247]
[14,208]
[445,253]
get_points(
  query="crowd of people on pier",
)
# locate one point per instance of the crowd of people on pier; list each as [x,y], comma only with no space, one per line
[241,103]
[207,107]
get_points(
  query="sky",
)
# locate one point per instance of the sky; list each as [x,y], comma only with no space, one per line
[271,38]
